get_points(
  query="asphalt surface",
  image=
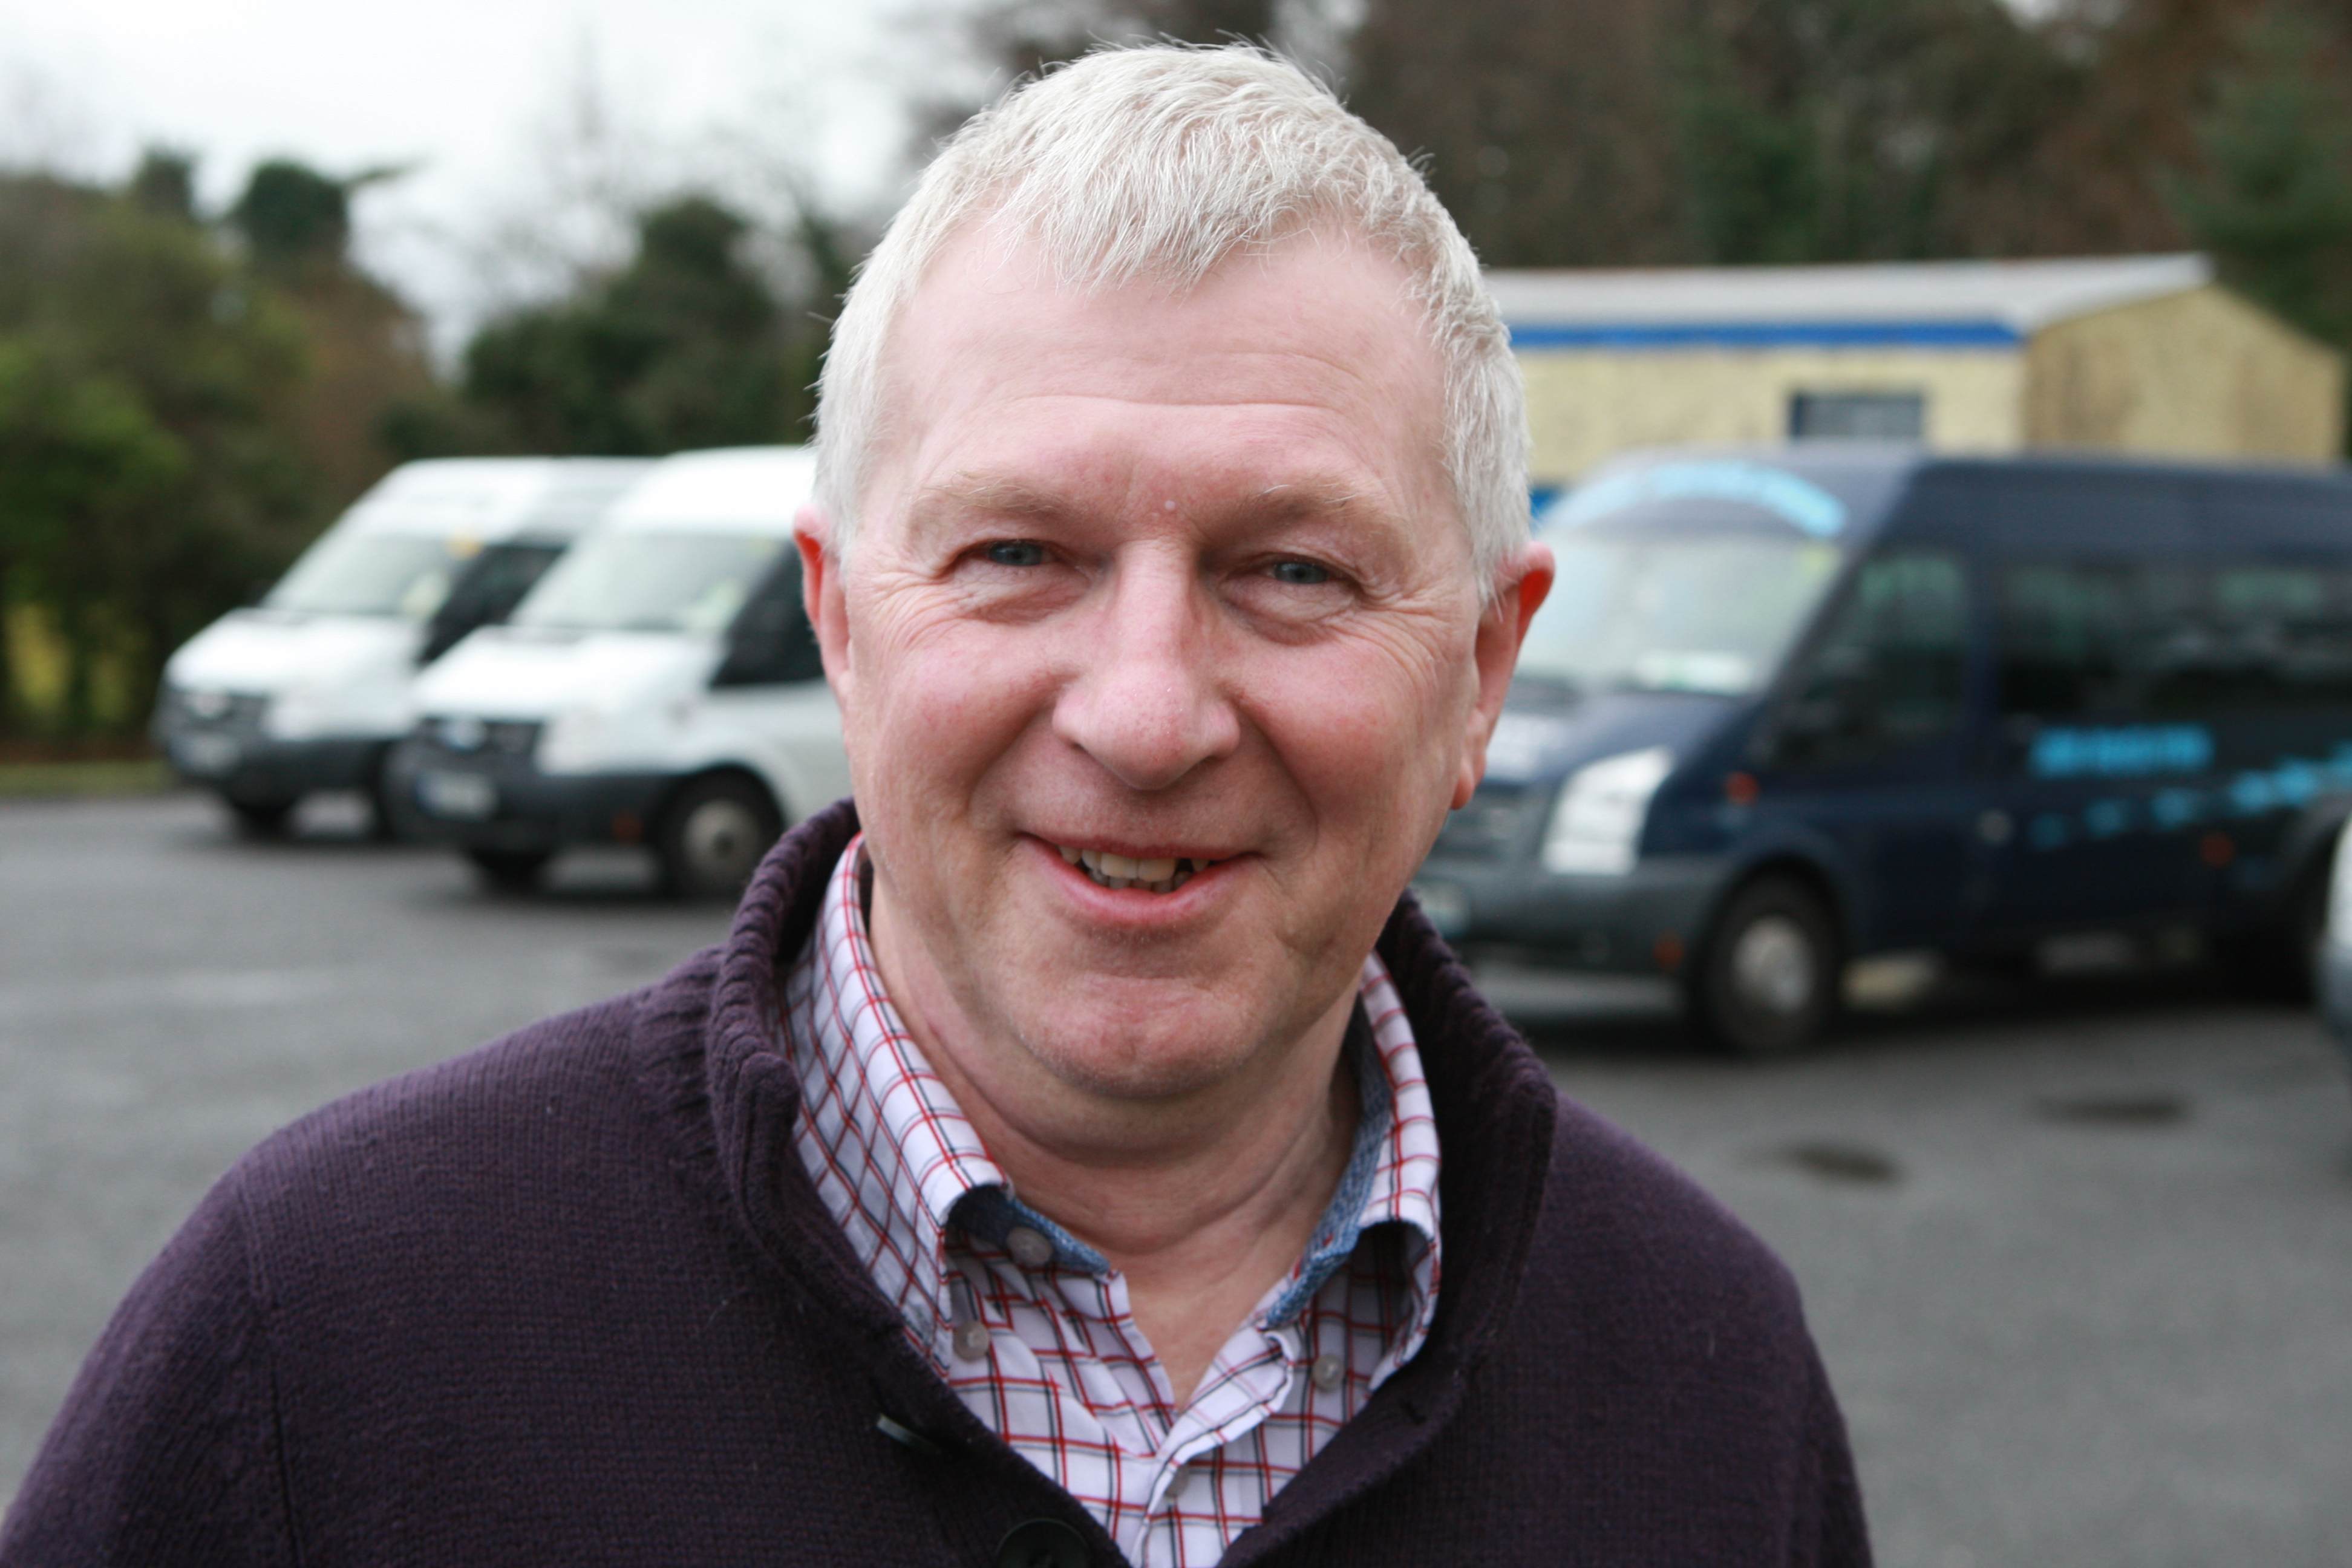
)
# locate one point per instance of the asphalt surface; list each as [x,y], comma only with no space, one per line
[2078,1254]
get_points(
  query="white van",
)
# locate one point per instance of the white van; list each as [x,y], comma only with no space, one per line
[659,687]
[310,690]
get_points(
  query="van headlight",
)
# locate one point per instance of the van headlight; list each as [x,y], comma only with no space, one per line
[1596,828]
[301,714]
[577,742]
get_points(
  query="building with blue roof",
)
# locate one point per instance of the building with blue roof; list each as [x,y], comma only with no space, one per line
[2143,354]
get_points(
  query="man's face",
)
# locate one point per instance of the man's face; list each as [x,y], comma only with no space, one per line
[1162,588]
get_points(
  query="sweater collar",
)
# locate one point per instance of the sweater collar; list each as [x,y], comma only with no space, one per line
[1494,1107]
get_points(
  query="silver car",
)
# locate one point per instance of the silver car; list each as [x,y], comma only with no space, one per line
[2335,950]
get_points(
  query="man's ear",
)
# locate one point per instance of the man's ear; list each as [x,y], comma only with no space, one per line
[1525,582]
[821,595]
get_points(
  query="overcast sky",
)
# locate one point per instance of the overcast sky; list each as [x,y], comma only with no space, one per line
[485,97]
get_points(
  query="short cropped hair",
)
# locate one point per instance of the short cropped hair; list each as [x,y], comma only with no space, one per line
[1157,163]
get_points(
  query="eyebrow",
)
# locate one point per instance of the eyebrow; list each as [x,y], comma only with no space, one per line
[1002,496]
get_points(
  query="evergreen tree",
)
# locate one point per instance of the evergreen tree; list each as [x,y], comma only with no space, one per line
[153,468]
[2273,202]
[685,347]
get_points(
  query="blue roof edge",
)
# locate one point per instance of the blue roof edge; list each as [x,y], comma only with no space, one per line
[1671,335]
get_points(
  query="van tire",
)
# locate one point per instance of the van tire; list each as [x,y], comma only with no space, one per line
[713,835]
[2279,962]
[509,870]
[1768,977]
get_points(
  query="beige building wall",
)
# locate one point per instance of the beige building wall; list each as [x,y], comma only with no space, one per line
[1587,405]
[2201,374]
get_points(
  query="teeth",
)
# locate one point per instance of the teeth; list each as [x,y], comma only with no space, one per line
[1163,874]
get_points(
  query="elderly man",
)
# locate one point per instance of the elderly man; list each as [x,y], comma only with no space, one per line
[1080,1152]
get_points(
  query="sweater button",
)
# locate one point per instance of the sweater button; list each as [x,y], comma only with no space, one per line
[1042,1543]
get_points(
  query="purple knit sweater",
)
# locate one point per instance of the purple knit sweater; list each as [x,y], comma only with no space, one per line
[571,1300]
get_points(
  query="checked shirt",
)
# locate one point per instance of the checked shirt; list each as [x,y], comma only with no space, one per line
[1031,1326]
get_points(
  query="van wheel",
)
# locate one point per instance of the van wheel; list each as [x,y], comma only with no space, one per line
[260,818]
[1766,983]
[509,870]
[714,834]
[2280,962]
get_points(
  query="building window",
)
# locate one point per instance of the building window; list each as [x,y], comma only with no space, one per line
[1857,416]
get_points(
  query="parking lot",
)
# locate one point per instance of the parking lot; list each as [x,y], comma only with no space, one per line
[2079,1253]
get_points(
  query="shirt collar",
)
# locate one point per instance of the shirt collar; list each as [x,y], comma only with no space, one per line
[872,1106]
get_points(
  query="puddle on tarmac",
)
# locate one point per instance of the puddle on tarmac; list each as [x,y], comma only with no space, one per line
[1846,1164]
[2140,1109]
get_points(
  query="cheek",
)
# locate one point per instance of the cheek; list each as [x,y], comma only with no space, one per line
[940,701]
[1371,736]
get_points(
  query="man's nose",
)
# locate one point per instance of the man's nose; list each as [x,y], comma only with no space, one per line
[1147,702]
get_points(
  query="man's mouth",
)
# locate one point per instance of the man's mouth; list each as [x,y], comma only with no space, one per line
[1107,868]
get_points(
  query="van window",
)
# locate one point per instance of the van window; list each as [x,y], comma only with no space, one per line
[487,591]
[2281,637]
[2120,641]
[347,574]
[656,581]
[1890,669]
[772,642]
[1665,611]
[2115,638]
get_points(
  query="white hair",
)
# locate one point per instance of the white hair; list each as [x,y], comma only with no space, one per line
[1158,163]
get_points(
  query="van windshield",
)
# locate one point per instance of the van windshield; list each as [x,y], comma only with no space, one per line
[403,574]
[1674,611]
[652,581]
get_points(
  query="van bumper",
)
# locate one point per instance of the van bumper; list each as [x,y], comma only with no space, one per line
[501,803]
[242,762]
[1644,922]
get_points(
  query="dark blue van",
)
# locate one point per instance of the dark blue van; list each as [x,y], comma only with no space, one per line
[1784,709]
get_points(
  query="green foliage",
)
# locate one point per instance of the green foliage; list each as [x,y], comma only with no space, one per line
[147,388]
[687,346]
[290,213]
[2274,202]
[165,183]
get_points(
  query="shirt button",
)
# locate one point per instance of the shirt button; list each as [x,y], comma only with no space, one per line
[1029,1248]
[1042,1543]
[1326,1371]
[1179,1481]
[972,1342]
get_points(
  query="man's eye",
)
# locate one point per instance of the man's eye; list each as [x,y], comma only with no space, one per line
[1300,574]
[1017,553]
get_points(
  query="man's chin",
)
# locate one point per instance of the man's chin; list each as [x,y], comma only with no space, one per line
[1119,1054]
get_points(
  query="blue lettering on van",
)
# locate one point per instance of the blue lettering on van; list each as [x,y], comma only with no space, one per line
[2252,794]
[2289,783]
[2105,818]
[2048,831]
[2133,752]
[2176,808]
[1792,499]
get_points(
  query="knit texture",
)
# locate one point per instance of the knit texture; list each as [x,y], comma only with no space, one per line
[572,1299]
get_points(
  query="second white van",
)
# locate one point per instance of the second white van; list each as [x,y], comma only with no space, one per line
[659,687]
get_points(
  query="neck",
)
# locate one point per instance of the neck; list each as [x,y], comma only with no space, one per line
[1202,1201]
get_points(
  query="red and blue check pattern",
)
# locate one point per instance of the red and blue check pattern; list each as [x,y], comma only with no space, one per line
[1047,1352]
